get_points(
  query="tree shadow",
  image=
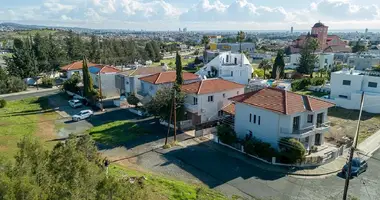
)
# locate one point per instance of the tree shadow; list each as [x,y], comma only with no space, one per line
[215,168]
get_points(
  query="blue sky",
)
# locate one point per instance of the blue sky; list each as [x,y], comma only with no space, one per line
[195,14]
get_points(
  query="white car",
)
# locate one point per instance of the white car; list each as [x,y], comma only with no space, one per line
[84,114]
[75,103]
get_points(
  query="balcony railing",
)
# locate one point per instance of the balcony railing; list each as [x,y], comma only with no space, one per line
[305,131]
[191,107]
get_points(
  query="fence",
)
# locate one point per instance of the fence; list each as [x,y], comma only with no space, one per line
[307,162]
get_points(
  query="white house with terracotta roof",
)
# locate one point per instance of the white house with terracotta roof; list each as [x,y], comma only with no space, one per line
[233,67]
[152,83]
[75,67]
[205,99]
[270,114]
[128,82]
[104,75]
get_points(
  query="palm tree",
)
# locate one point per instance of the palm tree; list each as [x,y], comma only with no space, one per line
[265,65]
[240,38]
[205,41]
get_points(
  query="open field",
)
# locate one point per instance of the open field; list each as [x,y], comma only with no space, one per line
[22,118]
[171,62]
[344,121]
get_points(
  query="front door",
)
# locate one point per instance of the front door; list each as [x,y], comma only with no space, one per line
[296,123]
[317,139]
[319,119]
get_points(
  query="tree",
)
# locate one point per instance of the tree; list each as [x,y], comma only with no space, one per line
[56,54]
[308,58]
[240,38]
[74,46]
[40,49]
[157,51]
[88,87]
[265,65]
[279,66]
[133,100]
[71,84]
[291,150]
[358,48]
[23,63]
[150,51]
[205,41]
[94,54]
[178,71]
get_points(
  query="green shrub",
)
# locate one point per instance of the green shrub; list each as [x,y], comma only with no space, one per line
[259,148]
[47,82]
[15,84]
[3,103]
[317,81]
[259,73]
[71,84]
[133,100]
[300,84]
[291,150]
[226,134]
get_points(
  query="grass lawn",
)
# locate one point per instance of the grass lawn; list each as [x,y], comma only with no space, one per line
[171,62]
[344,121]
[159,187]
[117,133]
[312,93]
[25,117]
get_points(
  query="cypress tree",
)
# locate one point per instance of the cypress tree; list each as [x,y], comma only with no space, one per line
[88,88]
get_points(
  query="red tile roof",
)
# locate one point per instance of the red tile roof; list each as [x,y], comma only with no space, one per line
[143,71]
[282,101]
[230,109]
[210,86]
[76,65]
[108,69]
[168,77]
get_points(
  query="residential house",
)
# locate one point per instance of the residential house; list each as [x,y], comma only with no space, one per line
[233,67]
[270,114]
[74,68]
[104,76]
[205,99]
[324,60]
[128,82]
[347,87]
[363,62]
[248,47]
[152,83]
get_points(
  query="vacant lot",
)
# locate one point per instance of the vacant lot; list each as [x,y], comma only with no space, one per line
[344,121]
[25,117]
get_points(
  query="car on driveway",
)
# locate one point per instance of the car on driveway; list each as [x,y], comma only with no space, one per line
[75,103]
[358,166]
[84,114]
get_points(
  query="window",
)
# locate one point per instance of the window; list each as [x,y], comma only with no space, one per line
[240,73]
[232,73]
[258,121]
[210,98]
[310,118]
[237,92]
[227,58]
[127,82]
[254,119]
[372,84]
[195,100]
[343,96]
[224,95]
[250,117]
[220,113]
[346,82]
[235,61]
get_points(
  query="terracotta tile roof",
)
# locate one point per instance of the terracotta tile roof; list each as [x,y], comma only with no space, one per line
[167,77]
[104,69]
[230,109]
[143,71]
[210,86]
[282,101]
[76,65]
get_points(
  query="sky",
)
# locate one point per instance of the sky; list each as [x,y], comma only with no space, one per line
[194,14]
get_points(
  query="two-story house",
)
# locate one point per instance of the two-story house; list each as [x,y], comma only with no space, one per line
[104,76]
[347,87]
[152,83]
[205,99]
[74,68]
[270,114]
[128,82]
[233,67]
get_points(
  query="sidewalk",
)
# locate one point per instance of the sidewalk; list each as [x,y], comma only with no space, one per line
[367,147]
[30,91]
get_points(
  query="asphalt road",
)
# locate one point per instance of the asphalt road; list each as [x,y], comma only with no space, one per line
[36,94]
[218,170]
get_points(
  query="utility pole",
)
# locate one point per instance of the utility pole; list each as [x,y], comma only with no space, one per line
[175,116]
[170,119]
[353,147]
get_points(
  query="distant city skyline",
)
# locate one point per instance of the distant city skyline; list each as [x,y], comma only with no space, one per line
[195,14]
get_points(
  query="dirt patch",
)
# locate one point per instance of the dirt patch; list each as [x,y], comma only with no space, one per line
[46,128]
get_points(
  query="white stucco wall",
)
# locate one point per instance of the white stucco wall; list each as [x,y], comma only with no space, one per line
[108,84]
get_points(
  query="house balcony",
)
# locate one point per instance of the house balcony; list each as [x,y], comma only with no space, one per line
[191,107]
[305,131]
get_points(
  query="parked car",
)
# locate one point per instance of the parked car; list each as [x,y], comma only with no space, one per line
[358,166]
[84,114]
[75,103]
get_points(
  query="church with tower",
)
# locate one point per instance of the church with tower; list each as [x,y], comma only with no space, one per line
[326,42]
